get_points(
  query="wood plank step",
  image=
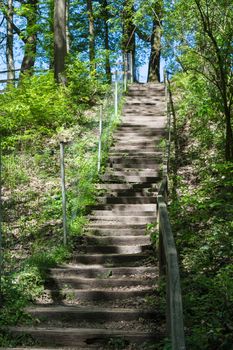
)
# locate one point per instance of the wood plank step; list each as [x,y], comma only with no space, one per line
[82,336]
[108,260]
[137,158]
[114,232]
[131,179]
[123,219]
[142,166]
[122,207]
[113,249]
[97,295]
[90,283]
[152,192]
[126,212]
[128,200]
[119,240]
[117,226]
[133,147]
[134,154]
[133,171]
[74,313]
[93,271]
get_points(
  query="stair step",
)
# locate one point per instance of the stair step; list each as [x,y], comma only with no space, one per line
[119,240]
[134,154]
[117,226]
[91,283]
[74,313]
[97,295]
[80,336]
[128,200]
[115,232]
[93,271]
[133,171]
[124,187]
[108,260]
[113,249]
[137,159]
[131,179]
[126,212]
[123,219]
[135,166]
[152,192]
[133,147]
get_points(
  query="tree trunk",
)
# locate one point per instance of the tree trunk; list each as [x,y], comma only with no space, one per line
[229,136]
[91,35]
[106,40]
[154,63]
[67,26]
[10,44]
[128,42]
[51,40]
[60,45]
[30,40]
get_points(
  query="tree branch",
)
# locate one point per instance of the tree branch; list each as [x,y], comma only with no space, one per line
[143,36]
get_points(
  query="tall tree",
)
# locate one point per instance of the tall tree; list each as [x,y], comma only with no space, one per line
[91,34]
[105,16]
[10,43]
[28,10]
[154,62]
[30,37]
[60,45]
[203,44]
[128,40]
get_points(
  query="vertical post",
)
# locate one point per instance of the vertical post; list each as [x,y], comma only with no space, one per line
[116,94]
[63,187]
[131,67]
[100,137]
[125,71]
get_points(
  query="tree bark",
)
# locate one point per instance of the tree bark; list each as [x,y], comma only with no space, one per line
[106,40]
[91,35]
[10,44]
[229,136]
[51,39]
[30,39]
[67,26]
[60,45]
[154,63]
[128,42]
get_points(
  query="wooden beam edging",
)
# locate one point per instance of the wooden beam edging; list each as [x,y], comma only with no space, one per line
[169,265]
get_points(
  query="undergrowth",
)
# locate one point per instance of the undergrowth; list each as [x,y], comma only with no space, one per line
[201,211]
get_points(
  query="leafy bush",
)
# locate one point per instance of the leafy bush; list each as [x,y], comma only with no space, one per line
[39,107]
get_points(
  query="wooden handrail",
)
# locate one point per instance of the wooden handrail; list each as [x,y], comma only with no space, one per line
[168,259]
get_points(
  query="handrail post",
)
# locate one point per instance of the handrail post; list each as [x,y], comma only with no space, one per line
[131,67]
[63,186]
[116,94]
[161,252]
[125,71]
[100,137]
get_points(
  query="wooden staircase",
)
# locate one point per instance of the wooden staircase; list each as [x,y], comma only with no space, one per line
[100,300]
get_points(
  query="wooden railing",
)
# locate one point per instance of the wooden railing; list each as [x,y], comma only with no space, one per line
[168,260]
